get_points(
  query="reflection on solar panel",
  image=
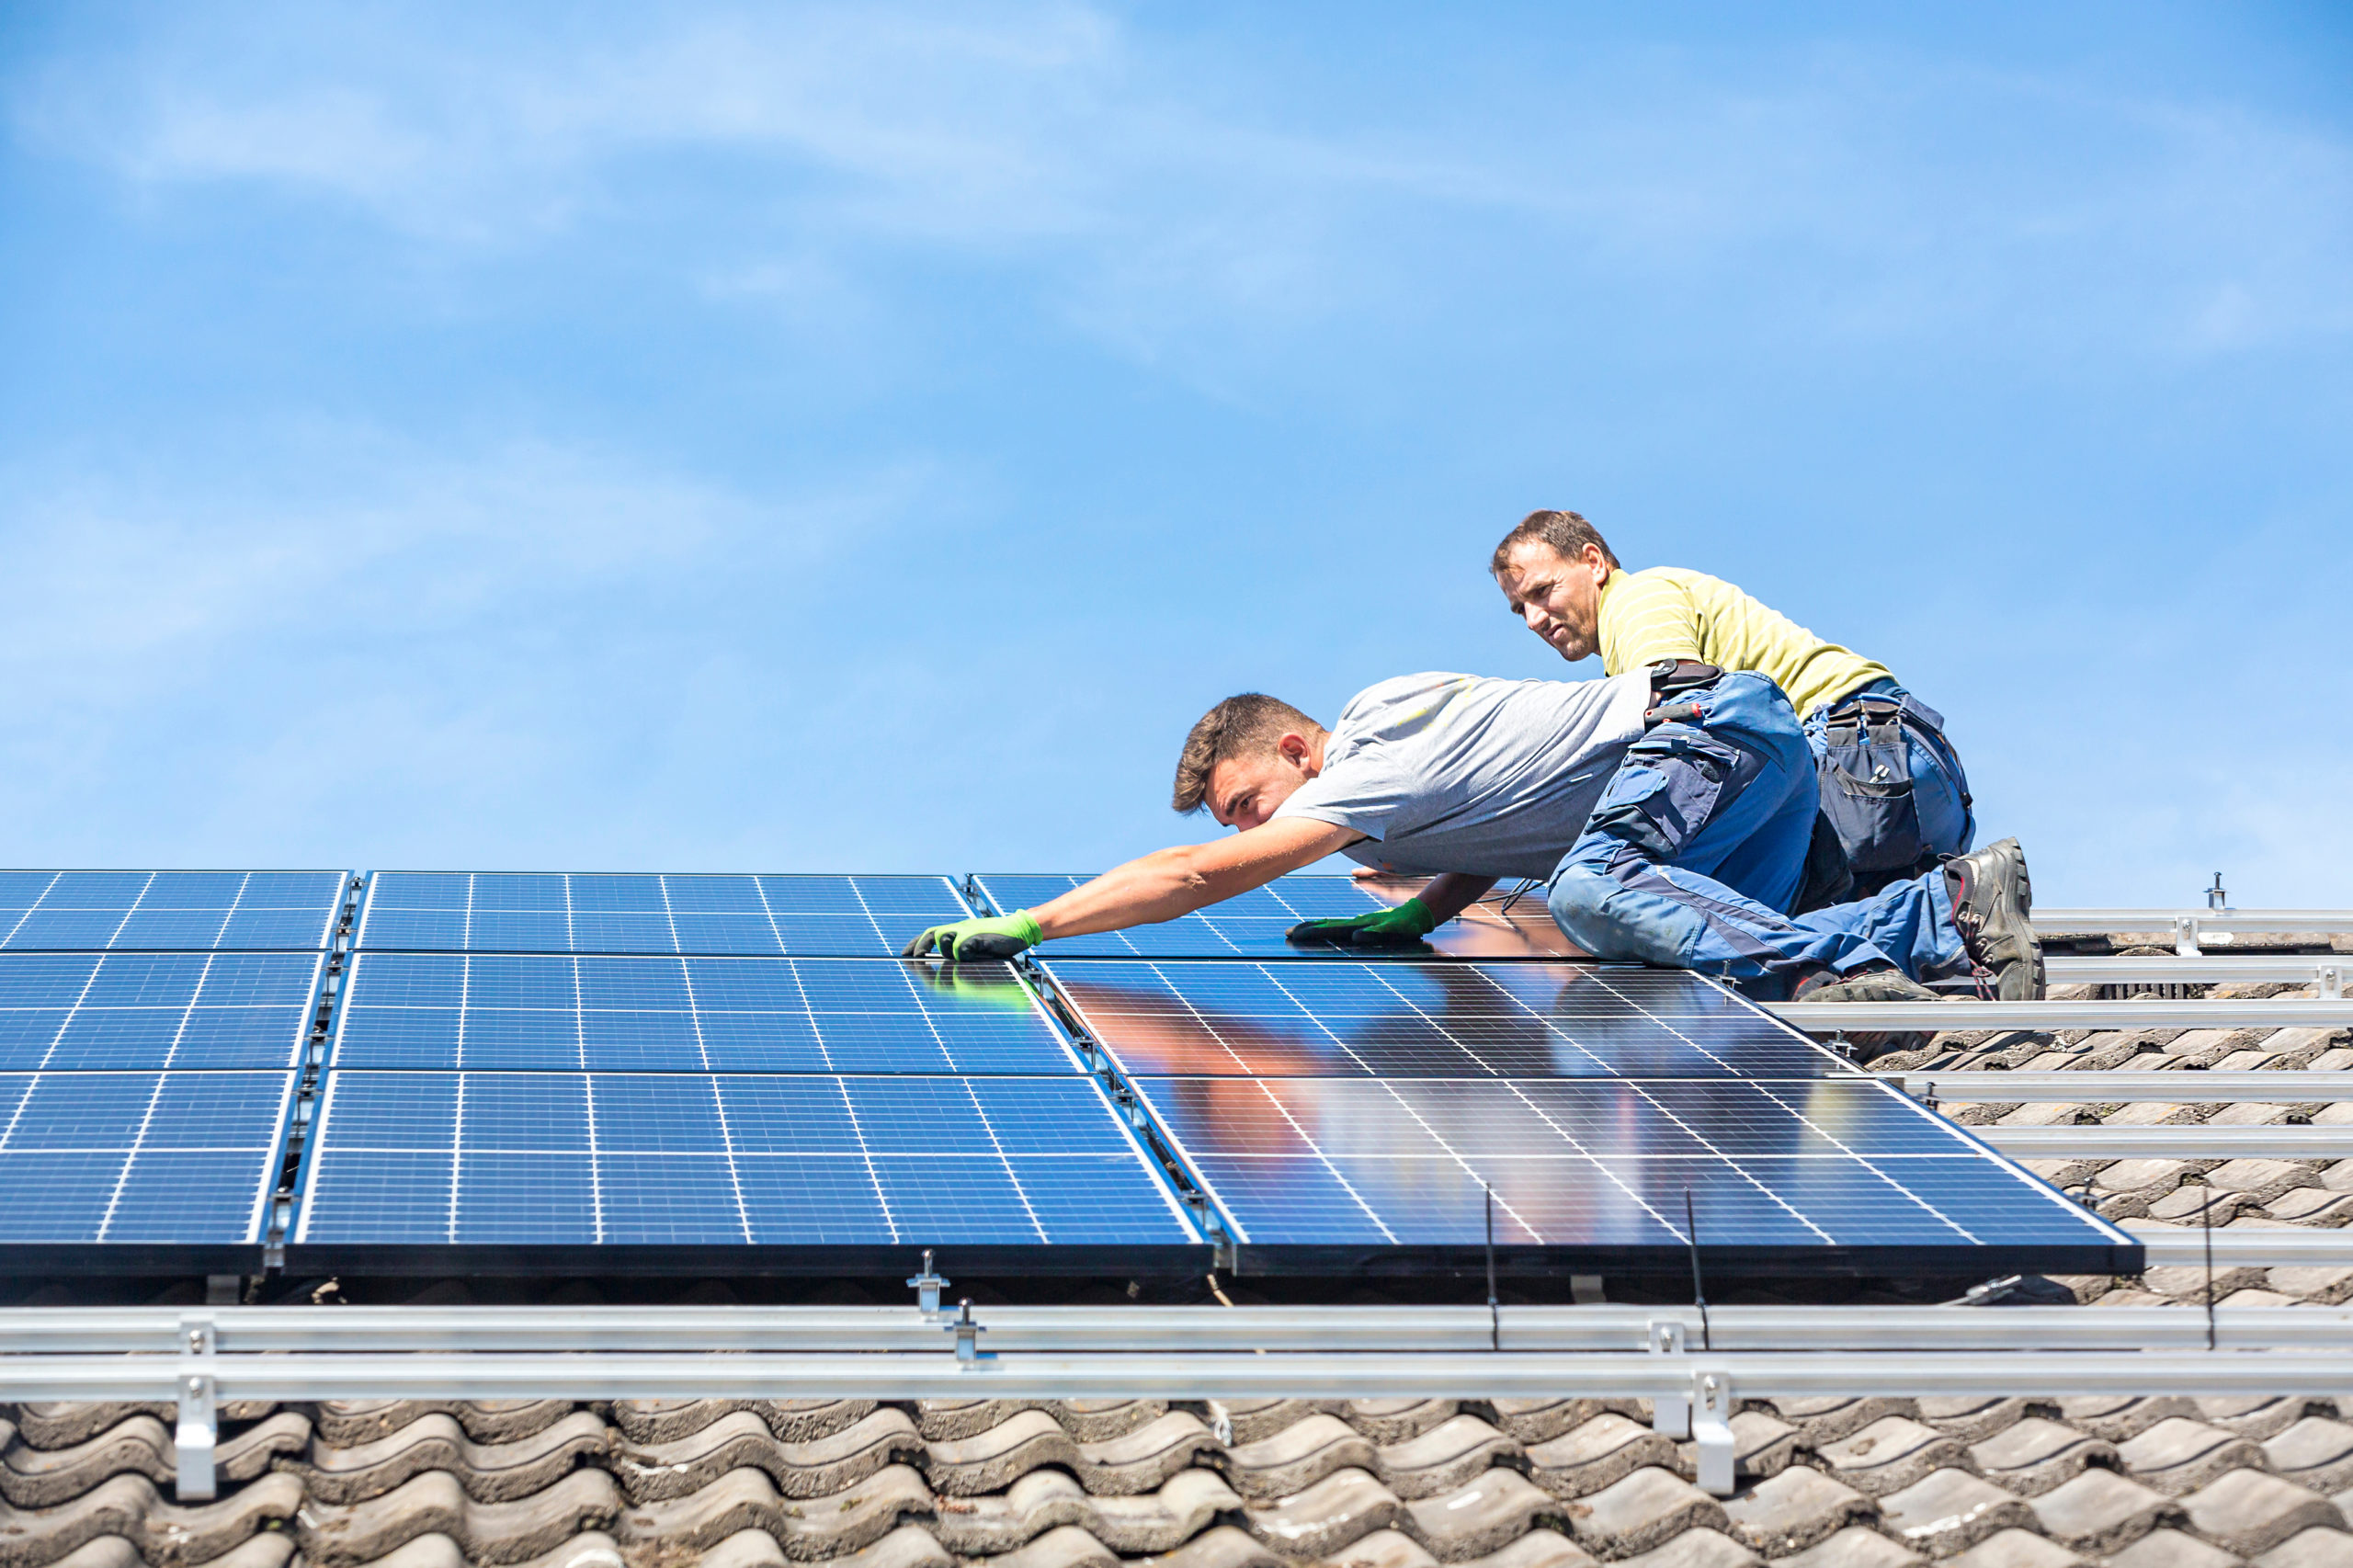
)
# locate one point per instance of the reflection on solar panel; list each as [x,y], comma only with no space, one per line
[82,1012]
[1428,1019]
[608,1012]
[1252,925]
[194,910]
[1600,1164]
[410,1160]
[1333,1109]
[182,1159]
[513,912]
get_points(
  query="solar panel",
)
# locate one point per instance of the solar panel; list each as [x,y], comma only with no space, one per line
[1427,1019]
[1371,1106]
[634,1013]
[661,1161]
[187,910]
[1602,1167]
[183,1160]
[1252,925]
[559,912]
[84,1012]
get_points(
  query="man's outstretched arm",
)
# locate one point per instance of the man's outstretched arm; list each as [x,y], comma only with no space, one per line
[1161,886]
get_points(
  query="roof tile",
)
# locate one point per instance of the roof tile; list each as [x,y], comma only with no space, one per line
[1951,1511]
[1064,1546]
[1319,1519]
[434,1503]
[2101,1512]
[1891,1454]
[1853,1547]
[2172,1548]
[1480,1517]
[2177,1456]
[1443,1457]
[1798,1508]
[2316,1548]
[2016,1548]
[2249,1512]
[2316,1452]
[490,1472]
[820,1467]
[1644,1510]
[1296,1457]
[1600,1452]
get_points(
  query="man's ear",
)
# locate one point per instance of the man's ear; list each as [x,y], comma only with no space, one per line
[1294,749]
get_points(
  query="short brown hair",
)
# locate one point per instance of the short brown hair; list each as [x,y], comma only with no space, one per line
[1239,726]
[1564,533]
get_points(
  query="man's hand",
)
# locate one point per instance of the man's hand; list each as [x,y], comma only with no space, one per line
[1000,937]
[1403,926]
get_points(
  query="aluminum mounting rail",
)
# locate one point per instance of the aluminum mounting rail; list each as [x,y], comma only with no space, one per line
[2098,1141]
[2253,922]
[2241,1246]
[941,1374]
[2215,1013]
[2120,1085]
[29,1333]
[2326,970]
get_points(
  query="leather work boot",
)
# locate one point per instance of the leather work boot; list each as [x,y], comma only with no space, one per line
[1991,896]
[1867,985]
[1870,986]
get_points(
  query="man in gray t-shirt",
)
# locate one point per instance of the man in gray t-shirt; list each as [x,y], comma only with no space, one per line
[1668,810]
[1464,774]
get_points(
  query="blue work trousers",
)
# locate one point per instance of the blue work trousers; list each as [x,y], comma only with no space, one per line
[1695,852]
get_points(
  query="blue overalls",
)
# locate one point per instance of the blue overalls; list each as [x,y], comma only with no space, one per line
[1893,788]
[1697,845]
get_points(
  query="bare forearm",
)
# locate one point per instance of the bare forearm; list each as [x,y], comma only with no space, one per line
[1450,895]
[1170,883]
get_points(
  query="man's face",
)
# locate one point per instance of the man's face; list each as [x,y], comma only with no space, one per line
[1560,598]
[1244,791]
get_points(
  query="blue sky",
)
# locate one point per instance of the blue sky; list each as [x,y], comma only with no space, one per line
[865,437]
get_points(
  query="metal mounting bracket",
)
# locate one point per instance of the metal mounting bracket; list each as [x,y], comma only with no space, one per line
[2328,982]
[1711,1431]
[969,1355]
[2185,936]
[198,1432]
[1670,1417]
[927,1286]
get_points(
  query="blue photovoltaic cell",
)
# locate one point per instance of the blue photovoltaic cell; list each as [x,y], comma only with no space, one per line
[187,1158]
[578,913]
[645,1014]
[1800,1162]
[1252,925]
[1430,1019]
[407,1159]
[187,909]
[86,1012]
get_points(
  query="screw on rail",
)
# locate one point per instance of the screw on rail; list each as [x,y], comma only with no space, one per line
[927,1286]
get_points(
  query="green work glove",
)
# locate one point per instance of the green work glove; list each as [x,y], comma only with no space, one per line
[1402,926]
[1000,937]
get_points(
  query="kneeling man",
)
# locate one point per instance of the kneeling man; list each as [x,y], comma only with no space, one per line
[1667,810]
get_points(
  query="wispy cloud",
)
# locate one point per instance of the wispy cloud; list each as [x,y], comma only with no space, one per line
[1874,194]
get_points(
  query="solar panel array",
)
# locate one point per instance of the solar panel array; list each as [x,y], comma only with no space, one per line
[672,1069]
[560,912]
[1332,1110]
[621,1072]
[154,1028]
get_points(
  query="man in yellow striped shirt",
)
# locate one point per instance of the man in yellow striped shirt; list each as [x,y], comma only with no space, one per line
[1893,791]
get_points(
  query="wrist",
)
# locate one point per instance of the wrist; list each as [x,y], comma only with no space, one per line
[1423,919]
[1025,925]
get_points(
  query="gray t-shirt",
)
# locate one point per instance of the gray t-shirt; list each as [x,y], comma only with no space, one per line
[1462,773]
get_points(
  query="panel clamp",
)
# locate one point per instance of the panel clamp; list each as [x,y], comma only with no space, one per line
[1710,1419]
[927,1286]
[969,1354]
[1670,1416]
[198,1432]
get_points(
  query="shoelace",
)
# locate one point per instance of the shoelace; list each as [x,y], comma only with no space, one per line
[1970,929]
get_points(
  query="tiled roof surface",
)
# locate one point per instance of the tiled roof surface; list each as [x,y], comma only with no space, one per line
[2016,1483]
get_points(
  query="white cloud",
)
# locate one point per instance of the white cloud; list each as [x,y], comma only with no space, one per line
[1869,193]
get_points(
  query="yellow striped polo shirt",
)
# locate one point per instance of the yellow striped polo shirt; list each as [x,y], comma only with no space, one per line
[1667,612]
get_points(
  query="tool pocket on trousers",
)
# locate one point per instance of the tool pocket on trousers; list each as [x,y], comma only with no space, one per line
[1679,776]
[1866,775]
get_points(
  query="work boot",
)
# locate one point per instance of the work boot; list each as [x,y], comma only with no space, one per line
[1991,896]
[1882,984]
[1863,986]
